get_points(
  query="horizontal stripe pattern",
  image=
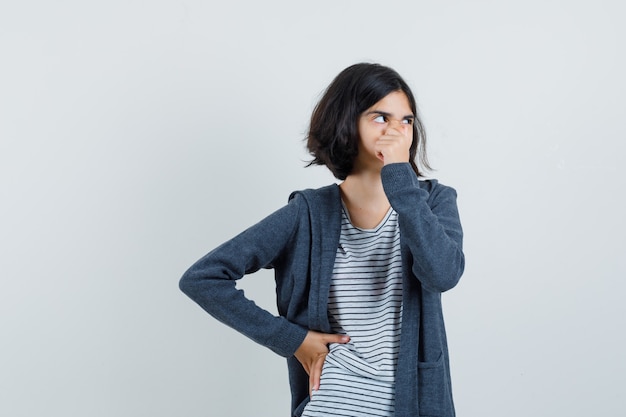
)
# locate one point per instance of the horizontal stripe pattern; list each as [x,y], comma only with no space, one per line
[365,302]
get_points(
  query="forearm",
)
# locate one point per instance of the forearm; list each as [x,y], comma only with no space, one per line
[211,282]
[429,225]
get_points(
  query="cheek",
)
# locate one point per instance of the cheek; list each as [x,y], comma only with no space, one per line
[369,132]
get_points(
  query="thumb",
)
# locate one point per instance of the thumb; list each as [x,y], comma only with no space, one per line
[336,338]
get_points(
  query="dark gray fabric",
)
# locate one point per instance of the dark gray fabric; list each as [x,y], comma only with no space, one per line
[300,241]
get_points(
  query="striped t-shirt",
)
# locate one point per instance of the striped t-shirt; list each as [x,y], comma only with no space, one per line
[365,302]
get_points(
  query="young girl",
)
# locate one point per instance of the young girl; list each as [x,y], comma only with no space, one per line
[359,266]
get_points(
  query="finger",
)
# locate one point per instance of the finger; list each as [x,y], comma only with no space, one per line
[312,383]
[336,338]
[316,373]
[393,150]
[394,135]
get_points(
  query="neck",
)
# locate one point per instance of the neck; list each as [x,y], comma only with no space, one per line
[364,197]
[365,180]
[365,184]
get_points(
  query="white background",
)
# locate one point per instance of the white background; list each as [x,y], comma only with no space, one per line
[137,135]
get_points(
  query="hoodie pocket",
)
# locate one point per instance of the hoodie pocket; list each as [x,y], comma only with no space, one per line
[432,387]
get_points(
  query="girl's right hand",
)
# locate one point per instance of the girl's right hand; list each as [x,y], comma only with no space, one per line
[313,351]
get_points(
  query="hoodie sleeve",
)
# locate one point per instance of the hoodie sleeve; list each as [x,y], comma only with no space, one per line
[429,225]
[210,282]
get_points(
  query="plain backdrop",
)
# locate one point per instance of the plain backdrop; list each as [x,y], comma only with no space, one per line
[135,136]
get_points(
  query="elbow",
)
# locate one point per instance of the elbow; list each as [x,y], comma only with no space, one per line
[453,273]
[183,284]
[443,283]
[444,276]
[188,284]
[202,287]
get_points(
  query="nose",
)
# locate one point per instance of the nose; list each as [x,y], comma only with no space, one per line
[397,125]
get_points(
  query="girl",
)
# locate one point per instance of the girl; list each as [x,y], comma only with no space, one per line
[359,266]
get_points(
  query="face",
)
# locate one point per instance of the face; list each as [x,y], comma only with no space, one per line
[390,117]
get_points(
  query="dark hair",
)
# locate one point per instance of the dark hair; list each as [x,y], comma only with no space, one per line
[333,137]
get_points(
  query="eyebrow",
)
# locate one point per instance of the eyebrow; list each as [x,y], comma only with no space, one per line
[386,114]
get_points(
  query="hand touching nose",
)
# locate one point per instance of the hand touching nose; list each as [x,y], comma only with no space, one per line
[395,143]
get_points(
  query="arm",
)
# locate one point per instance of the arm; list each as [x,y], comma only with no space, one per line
[211,281]
[429,225]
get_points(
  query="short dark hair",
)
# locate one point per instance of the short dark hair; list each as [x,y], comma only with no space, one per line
[333,136]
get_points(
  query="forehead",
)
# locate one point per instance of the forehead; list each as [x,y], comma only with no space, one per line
[396,103]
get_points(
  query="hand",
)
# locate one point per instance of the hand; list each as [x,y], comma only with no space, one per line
[395,144]
[313,351]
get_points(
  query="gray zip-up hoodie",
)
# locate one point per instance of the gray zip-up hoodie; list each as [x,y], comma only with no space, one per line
[300,241]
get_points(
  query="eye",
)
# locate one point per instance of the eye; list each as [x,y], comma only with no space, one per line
[407,121]
[380,119]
